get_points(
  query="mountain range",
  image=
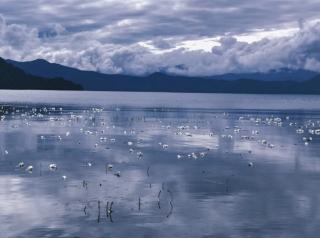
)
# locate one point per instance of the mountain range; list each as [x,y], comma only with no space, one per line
[277,81]
[12,77]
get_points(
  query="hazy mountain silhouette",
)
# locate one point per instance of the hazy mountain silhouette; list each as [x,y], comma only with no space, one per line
[12,77]
[283,74]
[277,82]
[88,79]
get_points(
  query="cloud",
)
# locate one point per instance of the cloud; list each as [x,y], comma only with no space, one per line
[133,21]
[16,40]
[85,50]
[163,44]
[51,30]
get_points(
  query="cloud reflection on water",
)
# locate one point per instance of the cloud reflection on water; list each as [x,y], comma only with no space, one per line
[218,195]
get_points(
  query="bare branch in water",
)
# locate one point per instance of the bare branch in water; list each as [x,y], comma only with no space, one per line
[99,214]
[171,209]
[40,170]
[159,194]
[84,184]
[110,211]
[171,204]
[85,210]
[139,203]
[107,209]
[148,171]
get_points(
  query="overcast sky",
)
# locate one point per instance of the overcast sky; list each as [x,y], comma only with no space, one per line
[188,37]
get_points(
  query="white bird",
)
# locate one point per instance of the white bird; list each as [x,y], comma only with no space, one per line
[20,165]
[271,146]
[109,166]
[64,177]
[117,174]
[29,168]
[179,156]
[53,167]
[299,131]
[250,164]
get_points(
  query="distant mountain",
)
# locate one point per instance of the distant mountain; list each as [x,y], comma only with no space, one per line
[283,81]
[90,80]
[12,77]
[283,74]
[87,78]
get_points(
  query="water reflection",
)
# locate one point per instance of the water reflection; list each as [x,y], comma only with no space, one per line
[119,174]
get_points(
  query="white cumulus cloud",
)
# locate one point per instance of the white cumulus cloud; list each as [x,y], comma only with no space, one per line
[85,51]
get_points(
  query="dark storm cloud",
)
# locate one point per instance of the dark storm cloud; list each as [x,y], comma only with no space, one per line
[107,35]
[161,18]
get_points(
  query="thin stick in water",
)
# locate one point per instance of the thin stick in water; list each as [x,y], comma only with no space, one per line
[99,214]
[148,171]
[139,203]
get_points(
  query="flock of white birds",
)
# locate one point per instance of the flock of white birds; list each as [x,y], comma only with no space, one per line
[307,130]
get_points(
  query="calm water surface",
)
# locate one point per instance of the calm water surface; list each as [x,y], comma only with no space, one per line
[158,165]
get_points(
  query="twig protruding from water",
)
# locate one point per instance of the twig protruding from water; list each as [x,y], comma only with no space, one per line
[99,214]
[148,171]
[159,194]
[139,203]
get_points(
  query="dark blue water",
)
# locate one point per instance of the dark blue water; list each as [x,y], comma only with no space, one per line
[183,165]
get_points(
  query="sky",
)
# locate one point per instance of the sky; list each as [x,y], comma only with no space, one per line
[185,37]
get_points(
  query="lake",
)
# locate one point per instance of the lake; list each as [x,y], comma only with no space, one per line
[117,164]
